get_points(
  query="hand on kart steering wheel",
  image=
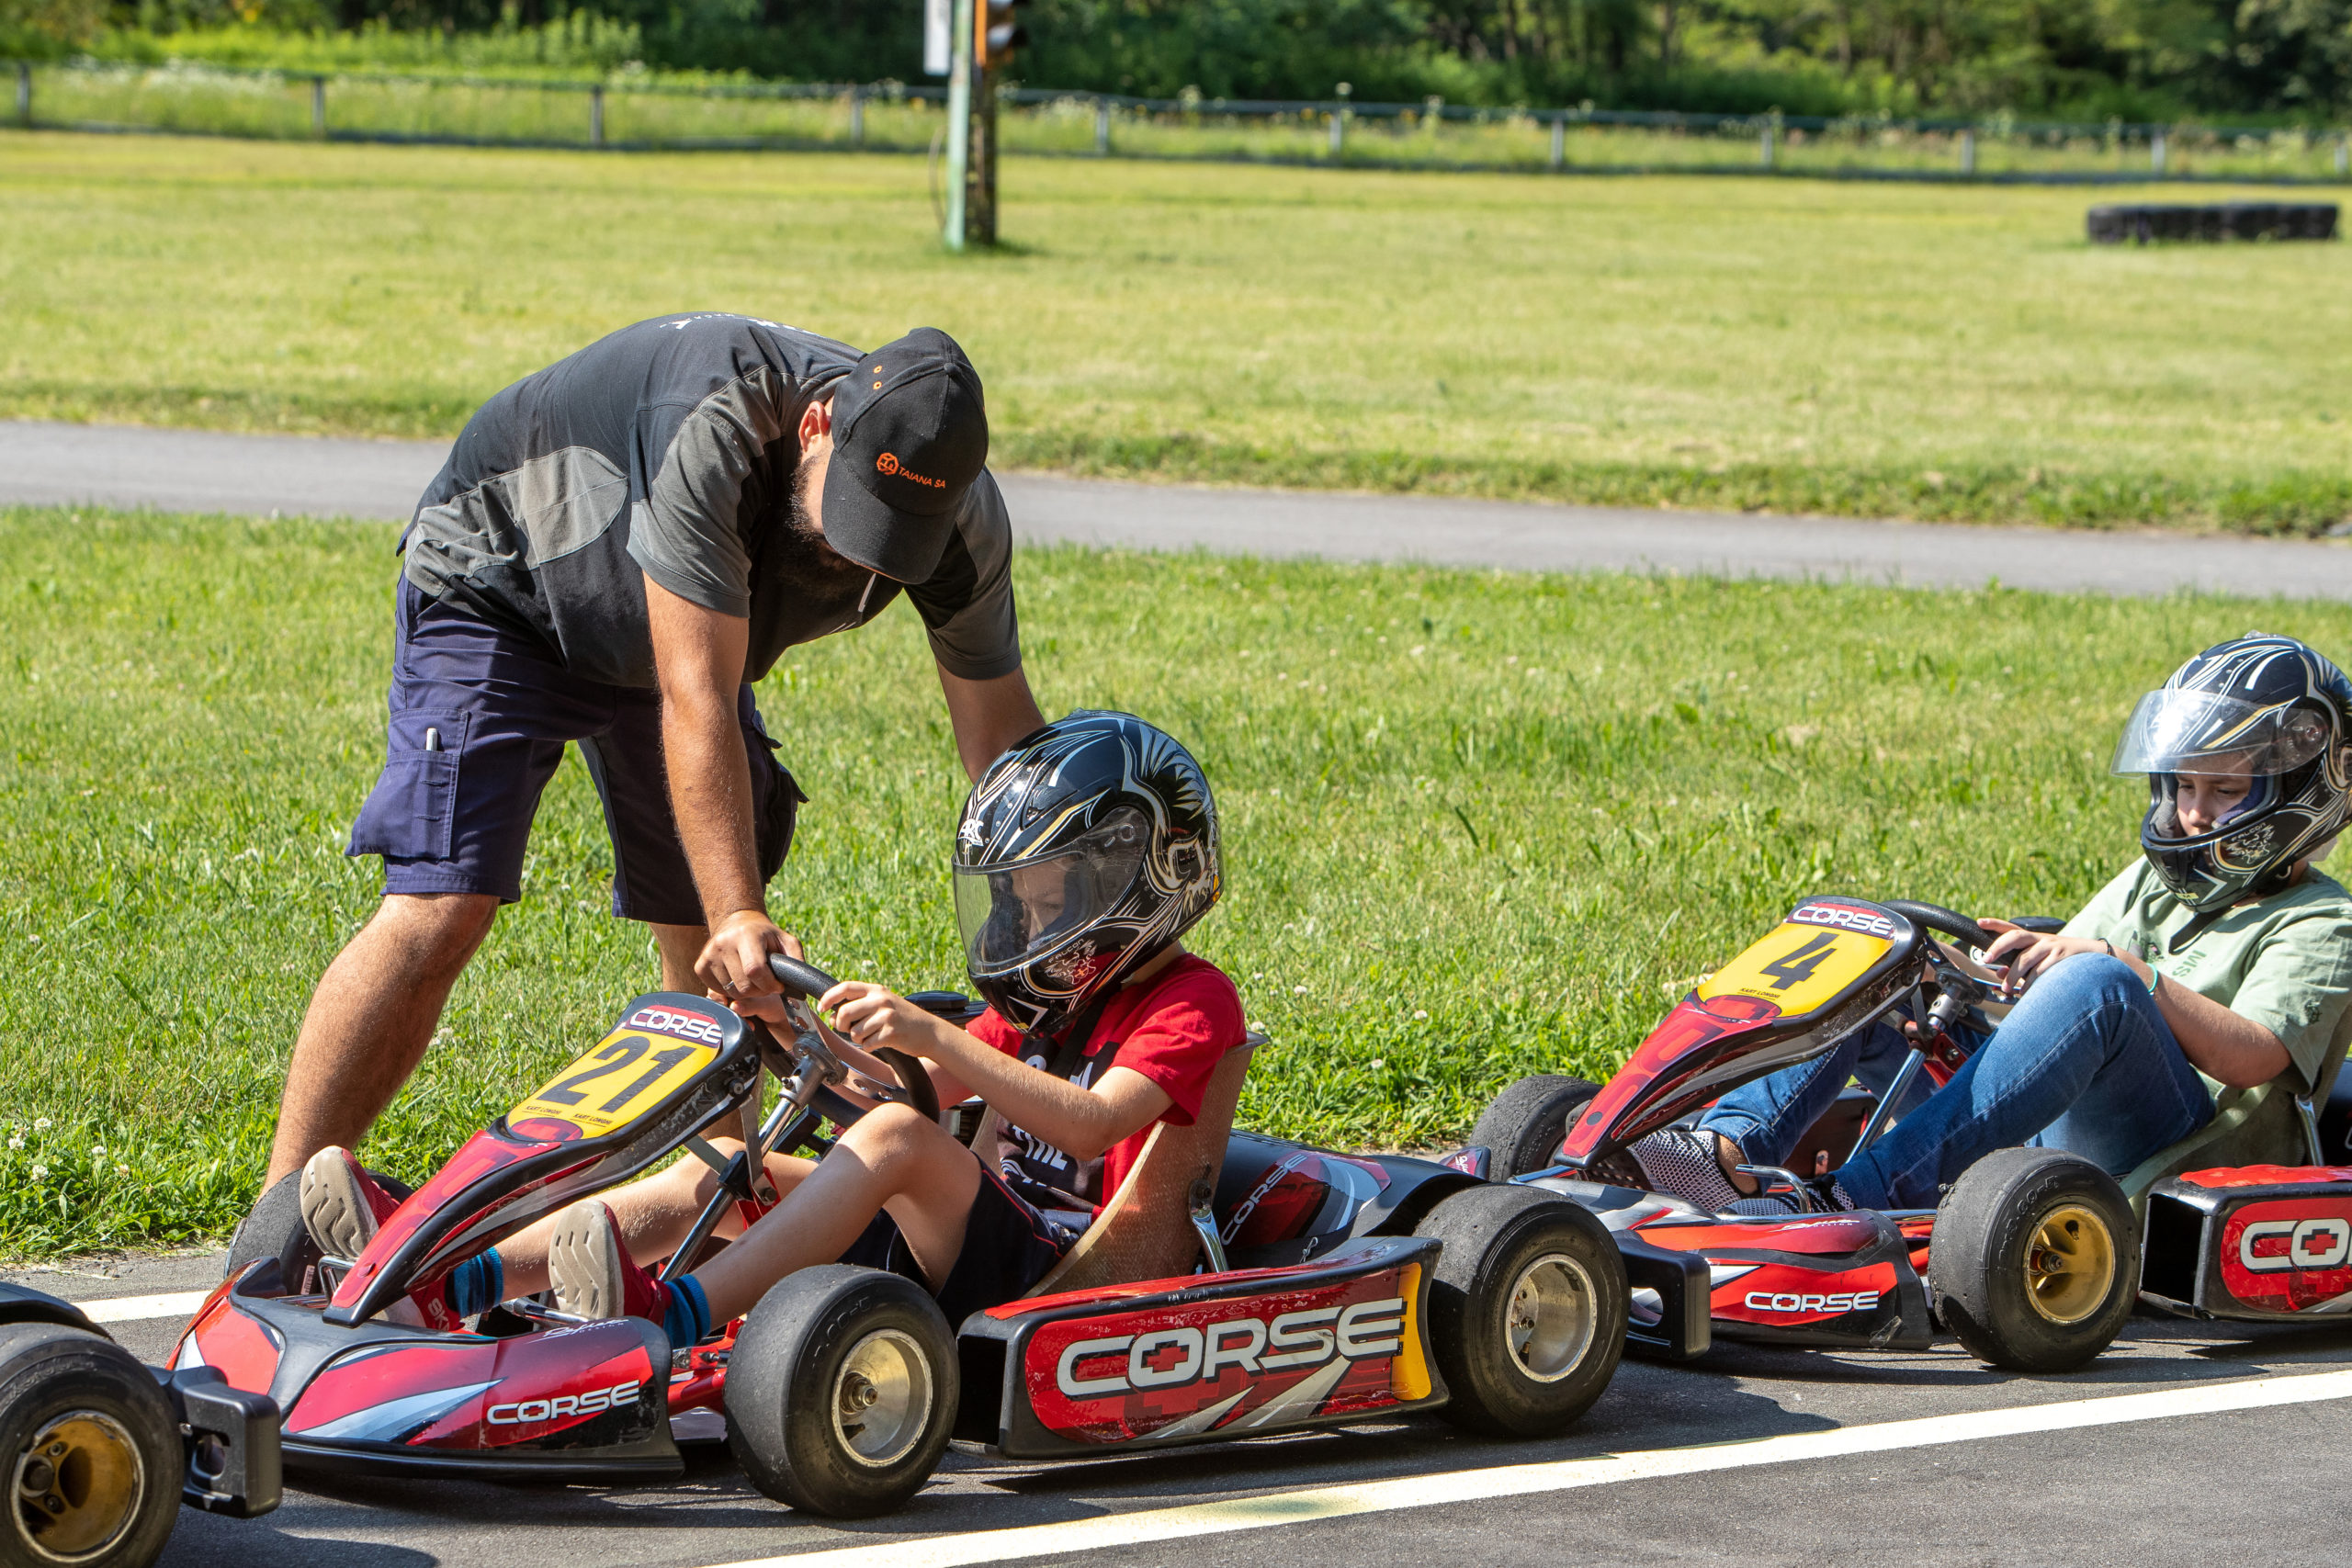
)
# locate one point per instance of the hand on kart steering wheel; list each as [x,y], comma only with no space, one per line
[734,964]
[2029,954]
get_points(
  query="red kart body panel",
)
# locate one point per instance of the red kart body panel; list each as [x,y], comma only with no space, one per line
[1203,1358]
[2264,1242]
[587,1399]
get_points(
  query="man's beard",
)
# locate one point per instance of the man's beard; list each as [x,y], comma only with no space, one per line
[804,556]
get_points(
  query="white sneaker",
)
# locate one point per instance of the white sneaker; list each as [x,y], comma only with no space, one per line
[338,1207]
[587,1266]
[342,1206]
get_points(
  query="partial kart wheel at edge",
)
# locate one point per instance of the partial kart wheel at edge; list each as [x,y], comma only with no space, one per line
[92,1451]
[2035,1260]
[1527,1309]
[1524,1127]
[841,1390]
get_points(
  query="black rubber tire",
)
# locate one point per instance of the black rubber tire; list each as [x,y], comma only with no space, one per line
[1495,1237]
[269,1228]
[49,1373]
[1524,1127]
[786,1372]
[1979,1276]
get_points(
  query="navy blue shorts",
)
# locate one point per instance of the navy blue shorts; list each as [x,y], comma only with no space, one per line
[1008,1248]
[480,717]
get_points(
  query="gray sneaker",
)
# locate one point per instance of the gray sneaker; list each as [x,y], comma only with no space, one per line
[587,1266]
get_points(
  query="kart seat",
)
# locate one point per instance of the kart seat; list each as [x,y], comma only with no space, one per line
[1147,1230]
[2271,1124]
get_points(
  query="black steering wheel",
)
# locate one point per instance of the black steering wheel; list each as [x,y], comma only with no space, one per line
[1936,918]
[806,980]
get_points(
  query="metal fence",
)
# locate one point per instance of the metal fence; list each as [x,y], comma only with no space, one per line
[637,111]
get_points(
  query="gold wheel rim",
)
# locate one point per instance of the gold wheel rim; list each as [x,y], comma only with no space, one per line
[79,1484]
[882,1398]
[2069,1264]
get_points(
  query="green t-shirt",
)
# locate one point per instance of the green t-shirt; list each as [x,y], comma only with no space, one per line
[2284,962]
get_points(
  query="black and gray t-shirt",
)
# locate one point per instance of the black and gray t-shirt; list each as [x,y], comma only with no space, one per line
[668,450]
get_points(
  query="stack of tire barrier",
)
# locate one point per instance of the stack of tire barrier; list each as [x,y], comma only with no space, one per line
[2140,222]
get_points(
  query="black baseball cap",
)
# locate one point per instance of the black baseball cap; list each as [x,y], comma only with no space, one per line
[910,433]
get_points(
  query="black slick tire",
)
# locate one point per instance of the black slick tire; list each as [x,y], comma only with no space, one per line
[1527,1309]
[92,1451]
[842,1390]
[1524,1127]
[2034,1262]
[272,1226]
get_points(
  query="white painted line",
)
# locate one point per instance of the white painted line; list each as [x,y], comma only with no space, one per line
[141,1309]
[1561,1475]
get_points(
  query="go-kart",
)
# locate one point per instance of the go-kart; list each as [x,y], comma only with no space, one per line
[1234,1285]
[2033,1259]
[94,1442]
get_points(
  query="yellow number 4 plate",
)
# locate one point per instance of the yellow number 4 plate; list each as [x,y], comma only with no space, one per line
[628,1074]
[1802,966]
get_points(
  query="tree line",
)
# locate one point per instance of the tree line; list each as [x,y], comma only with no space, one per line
[2134,59]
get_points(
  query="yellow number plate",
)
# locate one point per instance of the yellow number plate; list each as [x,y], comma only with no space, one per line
[628,1074]
[1799,969]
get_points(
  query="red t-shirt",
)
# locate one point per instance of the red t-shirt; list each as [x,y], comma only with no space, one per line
[1174,1029]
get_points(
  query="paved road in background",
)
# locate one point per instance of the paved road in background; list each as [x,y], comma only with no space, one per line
[183,470]
[2256,1486]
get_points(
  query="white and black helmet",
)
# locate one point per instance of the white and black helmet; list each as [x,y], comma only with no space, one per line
[1083,852]
[2264,707]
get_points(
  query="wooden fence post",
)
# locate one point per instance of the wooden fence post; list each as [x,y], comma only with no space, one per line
[1968,150]
[1339,122]
[2157,153]
[1764,158]
[856,117]
[1559,138]
[1102,128]
[25,99]
[596,117]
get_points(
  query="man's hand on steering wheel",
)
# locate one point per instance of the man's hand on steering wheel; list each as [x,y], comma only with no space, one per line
[734,962]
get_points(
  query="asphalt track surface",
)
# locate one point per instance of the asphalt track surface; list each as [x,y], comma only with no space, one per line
[181,470]
[2186,1443]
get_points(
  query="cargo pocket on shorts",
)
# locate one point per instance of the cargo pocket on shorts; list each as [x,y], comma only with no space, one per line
[779,812]
[412,812]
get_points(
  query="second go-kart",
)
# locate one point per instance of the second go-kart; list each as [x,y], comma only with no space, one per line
[1234,1285]
[2033,1259]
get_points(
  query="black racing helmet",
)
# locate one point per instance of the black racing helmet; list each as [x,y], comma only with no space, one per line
[1083,852]
[2266,707]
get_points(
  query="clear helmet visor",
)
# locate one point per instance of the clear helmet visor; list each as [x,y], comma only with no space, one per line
[2202,732]
[1014,911]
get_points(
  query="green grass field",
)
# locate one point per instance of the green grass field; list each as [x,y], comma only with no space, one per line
[1867,349]
[1479,824]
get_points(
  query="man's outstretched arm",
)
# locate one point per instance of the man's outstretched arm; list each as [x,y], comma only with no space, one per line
[988,716]
[698,658]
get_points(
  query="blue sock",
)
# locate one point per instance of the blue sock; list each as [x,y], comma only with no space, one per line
[688,1317]
[476,1285]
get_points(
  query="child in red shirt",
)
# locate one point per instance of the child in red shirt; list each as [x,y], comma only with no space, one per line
[1083,853]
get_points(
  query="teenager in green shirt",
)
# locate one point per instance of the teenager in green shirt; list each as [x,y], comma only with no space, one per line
[2221,959]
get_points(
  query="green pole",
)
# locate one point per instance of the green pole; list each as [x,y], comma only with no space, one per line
[959,118]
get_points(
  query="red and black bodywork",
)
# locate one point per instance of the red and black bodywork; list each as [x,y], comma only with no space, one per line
[2261,1242]
[1320,1317]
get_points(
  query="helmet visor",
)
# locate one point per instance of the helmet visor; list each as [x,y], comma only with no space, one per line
[1014,911]
[2178,731]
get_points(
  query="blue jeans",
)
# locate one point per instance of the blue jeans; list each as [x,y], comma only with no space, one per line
[2084,1063]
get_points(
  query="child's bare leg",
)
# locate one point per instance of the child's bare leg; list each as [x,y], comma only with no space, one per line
[893,1159]
[654,1212]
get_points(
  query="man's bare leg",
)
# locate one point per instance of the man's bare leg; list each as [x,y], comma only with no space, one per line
[680,945]
[371,1019]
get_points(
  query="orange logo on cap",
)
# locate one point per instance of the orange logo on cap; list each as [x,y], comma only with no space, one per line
[888,463]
